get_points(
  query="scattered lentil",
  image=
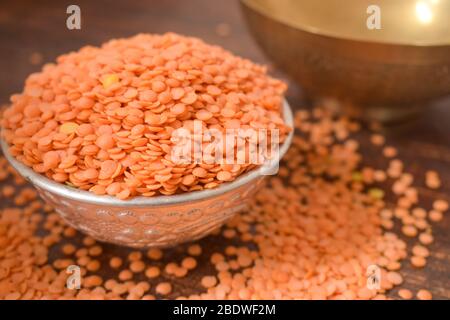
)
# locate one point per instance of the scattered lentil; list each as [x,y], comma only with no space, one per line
[405,294]
[435,215]
[208,281]
[194,250]
[115,262]
[152,272]
[426,238]
[418,262]
[154,253]
[432,179]
[163,288]
[189,263]
[423,294]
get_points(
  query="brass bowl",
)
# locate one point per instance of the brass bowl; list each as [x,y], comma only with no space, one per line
[384,74]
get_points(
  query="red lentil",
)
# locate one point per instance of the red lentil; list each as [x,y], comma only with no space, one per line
[405,294]
[423,294]
[208,281]
[418,262]
[172,80]
[152,272]
[115,262]
[189,263]
[163,288]
[194,250]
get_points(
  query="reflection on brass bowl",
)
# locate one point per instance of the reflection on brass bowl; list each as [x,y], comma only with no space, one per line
[386,74]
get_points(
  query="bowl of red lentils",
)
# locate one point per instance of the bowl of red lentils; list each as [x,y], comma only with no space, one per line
[94,134]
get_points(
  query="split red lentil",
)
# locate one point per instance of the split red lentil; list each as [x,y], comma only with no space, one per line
[101,119]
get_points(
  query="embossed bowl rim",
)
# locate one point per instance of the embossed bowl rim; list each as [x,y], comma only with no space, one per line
[65,191]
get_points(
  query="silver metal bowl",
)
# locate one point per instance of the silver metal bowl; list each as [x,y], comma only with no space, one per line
[149,221]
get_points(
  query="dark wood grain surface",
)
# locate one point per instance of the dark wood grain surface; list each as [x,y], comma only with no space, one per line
[30,27]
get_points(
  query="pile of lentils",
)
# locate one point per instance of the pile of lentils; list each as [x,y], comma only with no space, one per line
[102,119]
[311,233]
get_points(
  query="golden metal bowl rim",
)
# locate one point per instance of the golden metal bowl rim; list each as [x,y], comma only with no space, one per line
[63,190]
[315,31]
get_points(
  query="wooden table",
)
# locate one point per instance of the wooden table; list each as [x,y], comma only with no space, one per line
[30,27]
